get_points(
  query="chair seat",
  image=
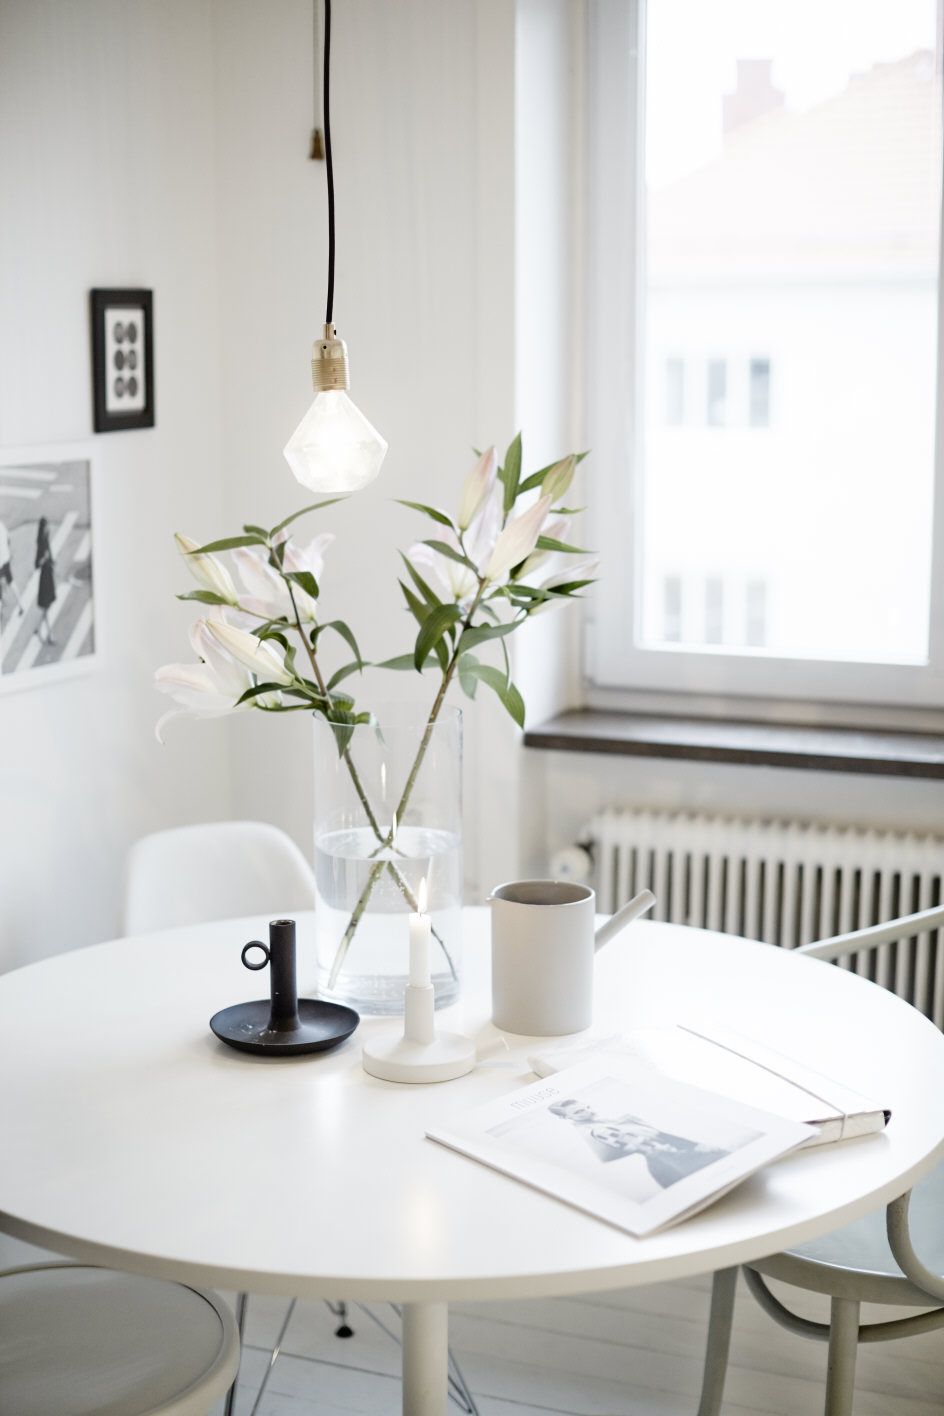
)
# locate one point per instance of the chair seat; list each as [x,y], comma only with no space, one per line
[78,1341]
[857,1258]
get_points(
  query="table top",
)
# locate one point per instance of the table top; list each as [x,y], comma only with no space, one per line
[133,1137]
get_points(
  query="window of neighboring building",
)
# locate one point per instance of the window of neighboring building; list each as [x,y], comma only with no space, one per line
[758,392]
[674,392]
[764,239]
[672,608]
[717,391]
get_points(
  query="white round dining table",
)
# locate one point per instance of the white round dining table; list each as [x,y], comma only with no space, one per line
[133,1138]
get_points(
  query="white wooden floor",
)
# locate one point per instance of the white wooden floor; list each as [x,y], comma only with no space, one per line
[636,1352]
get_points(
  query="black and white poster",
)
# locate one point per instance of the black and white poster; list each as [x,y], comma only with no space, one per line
[47,609]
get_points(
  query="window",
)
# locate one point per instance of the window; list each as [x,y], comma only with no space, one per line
[717,393]
[759,393]
[674,393]
[764,241]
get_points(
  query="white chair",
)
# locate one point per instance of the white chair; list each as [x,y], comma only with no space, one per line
[76,1340]
[873,1260]
[218,870]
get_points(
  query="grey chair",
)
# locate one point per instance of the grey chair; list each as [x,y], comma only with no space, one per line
[76,1339]
[873,1260]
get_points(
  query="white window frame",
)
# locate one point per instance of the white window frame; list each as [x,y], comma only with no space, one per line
[614,285]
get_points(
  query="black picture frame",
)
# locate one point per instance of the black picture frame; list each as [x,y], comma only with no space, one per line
[122,326]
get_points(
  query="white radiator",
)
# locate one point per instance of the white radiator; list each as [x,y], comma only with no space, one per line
[784,883]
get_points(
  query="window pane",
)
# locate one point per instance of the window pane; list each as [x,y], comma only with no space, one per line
[759,393]
[793,170]
[674,393]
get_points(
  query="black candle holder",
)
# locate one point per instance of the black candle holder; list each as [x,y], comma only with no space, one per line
[282,1024]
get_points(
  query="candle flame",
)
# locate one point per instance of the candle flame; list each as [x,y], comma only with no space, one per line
[421,896]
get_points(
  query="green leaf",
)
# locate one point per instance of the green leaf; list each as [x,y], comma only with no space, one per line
[468,681]
[432,511]
[304,580]
[426,590]
[569,587]
[205,597]
[481,633]
[510,473]
[340,675]
[453,554]
[229,543]
[547,543]
[436,624]
[501,685]
[346,634]
[536,478]
[417,607]
[257,689]
[315,506]
[401,662]
[256,530]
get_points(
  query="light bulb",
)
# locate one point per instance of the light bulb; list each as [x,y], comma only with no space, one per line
[334,448]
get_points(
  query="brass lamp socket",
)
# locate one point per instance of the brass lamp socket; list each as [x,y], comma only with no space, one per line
[329,362]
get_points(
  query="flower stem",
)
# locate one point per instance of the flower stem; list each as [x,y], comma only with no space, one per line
[385,839]
[376,869]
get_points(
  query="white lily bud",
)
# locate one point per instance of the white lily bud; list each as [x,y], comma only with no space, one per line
[259,657]
[210,572]
[478,486]
[518,539]
[558,478]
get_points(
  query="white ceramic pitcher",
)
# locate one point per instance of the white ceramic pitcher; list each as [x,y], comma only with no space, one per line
[543,944]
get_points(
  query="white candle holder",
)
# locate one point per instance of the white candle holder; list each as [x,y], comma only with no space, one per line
[419,1053]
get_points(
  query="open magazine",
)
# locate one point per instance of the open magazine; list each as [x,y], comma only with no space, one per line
[614,1138]
[739,1067]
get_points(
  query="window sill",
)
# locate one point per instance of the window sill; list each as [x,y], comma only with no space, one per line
[871,751]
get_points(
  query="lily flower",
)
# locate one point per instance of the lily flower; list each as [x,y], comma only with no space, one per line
[208,570]
[268,596]
[558,478]
[259,657]
[451,581]
[517,540]
[478,487]
[557,531]
[209,689]
[310,557]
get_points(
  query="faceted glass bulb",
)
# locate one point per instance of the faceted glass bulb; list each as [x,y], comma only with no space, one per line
[334,448]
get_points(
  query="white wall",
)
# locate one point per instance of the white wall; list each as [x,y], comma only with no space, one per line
[422,112]
[106,163]
[455,273]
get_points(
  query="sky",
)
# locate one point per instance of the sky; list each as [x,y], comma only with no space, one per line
[815,45]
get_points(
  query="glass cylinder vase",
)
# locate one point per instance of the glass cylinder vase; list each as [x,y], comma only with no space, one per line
[388,829]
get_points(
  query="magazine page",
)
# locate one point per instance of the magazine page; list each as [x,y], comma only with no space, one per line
[720,1059]
[616,1139]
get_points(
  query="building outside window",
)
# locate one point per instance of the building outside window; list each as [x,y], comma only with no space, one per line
[791,211]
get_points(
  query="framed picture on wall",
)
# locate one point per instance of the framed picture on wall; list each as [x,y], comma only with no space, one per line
[122,359]
[47,601]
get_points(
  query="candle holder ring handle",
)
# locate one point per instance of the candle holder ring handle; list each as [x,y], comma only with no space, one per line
[255,944]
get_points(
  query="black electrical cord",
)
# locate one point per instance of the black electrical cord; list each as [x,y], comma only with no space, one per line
[326,95]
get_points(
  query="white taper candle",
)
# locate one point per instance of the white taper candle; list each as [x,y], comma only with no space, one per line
[420,934]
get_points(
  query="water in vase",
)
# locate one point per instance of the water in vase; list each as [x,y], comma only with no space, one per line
[372,971]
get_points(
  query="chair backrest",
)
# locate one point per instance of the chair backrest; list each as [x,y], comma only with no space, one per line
[219,870]
[906,956]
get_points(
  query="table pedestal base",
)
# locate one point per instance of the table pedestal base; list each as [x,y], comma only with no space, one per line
[425,1359]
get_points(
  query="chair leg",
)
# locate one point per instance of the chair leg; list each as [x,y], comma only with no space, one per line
[242,1303]
[718,1344]
[843,1346]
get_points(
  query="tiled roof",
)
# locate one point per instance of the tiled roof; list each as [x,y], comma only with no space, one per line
[851,186]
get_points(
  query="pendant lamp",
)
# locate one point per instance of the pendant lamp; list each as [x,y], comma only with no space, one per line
[334,448]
